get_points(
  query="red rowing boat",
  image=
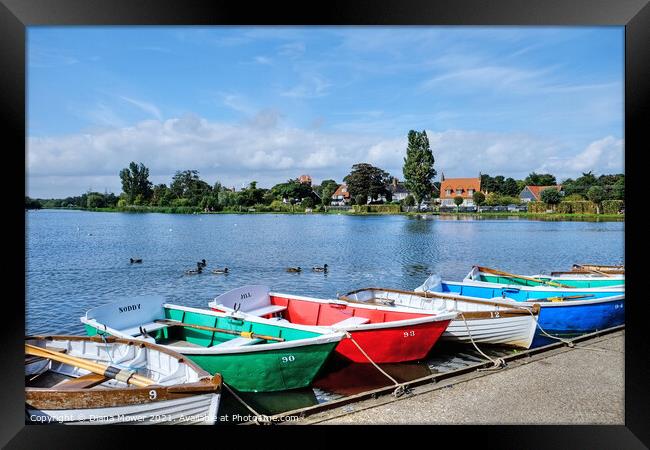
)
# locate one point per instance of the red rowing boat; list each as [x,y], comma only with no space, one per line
[386,334]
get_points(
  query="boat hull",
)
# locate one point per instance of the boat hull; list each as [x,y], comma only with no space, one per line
[488,322]
[392,339]
[391,345]
[569,321]
[594,309]
[198,409]
[517,331]
[264,370]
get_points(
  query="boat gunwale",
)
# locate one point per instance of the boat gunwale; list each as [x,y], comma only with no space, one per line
[468,280]
[454,297]
[544,304]
[430,316]
[325,336]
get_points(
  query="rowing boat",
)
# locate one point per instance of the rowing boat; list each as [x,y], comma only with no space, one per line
[385,334]
[563,312]
[252,355]
[78,379]
[480,320]
[563,280]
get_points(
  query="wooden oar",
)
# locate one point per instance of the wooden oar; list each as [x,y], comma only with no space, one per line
[245,334]
[558,299]
[510,275]
[124,375]
[594,270]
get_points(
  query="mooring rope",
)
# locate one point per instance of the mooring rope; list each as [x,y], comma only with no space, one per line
[259,418]
[566,341]
[400,388]
[498,363]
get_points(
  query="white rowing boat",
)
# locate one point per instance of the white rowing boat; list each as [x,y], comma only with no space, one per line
[106,380]
[483,321]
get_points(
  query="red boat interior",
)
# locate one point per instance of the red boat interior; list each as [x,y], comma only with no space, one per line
[306,312]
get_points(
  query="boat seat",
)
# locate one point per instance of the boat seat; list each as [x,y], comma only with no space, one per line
[148,327]
[351,322]
[265,310]
[237,342]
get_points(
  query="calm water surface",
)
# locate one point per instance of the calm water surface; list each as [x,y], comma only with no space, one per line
[77,260]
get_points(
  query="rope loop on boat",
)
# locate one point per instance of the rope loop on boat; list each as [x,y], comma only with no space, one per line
[497,363]
[400,388]
[535,318]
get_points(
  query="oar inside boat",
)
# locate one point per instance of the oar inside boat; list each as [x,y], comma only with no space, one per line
[244,334]
[523,277]
[126,376]
[593,270]
[560,298]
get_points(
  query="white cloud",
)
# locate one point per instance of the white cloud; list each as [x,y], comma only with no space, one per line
[269,151]
[607,154]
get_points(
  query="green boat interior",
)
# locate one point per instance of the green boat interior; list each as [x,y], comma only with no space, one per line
[183,327]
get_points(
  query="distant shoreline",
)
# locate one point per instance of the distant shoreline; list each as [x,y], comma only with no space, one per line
[504,214]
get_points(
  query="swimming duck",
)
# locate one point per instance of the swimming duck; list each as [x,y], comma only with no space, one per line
[201,263]
[218,271]
[198,270]
[135,260]
[294,269]
[320,269]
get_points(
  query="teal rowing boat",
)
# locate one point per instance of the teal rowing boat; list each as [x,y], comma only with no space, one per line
[565,280]
[251,354]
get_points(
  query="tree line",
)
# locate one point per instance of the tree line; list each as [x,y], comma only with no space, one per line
[365,183]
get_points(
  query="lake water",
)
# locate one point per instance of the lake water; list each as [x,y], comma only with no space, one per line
[77,260]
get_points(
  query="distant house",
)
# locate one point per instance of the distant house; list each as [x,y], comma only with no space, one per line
[341,196]
[398,190]
[455,187]
[534,193]
[305,179]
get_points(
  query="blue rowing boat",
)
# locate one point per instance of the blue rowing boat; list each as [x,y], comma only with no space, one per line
[564,313]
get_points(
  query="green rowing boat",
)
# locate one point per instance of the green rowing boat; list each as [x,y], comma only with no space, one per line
[251,354]
[567,280]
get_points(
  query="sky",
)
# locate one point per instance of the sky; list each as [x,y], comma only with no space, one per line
[271,103]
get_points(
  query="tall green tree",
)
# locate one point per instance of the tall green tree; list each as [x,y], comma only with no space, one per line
[596,194]
[326,190]
[367,181]
[478,197]
[187,184]
[293,191]
[418,166]
[458,200]
[510,187]
[135,182]
[540,179]
[551,197]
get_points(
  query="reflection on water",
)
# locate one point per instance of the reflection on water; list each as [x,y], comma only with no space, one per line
[341,378]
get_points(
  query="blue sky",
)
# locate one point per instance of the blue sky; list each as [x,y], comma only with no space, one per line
[271,103]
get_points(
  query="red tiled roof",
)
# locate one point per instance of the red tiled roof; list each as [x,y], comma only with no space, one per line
[339,191]
[304,179]
[459,183]
[537,190]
